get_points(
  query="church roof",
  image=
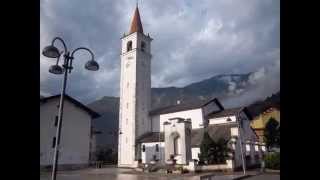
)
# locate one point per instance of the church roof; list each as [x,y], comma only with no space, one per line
[229,112]
[151,137]
[215,132]
[184,107]
[136,25]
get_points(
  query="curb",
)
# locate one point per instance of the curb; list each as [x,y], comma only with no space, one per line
[272,171]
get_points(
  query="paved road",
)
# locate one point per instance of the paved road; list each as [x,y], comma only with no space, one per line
[265,177]
[111,174]
[123,174]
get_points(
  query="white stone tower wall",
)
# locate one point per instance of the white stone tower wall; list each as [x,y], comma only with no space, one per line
[135,89]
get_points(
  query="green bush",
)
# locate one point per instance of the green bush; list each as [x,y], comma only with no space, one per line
[212,152]
[272,160]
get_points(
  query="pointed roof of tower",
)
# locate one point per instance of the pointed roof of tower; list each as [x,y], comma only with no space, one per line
[136,25]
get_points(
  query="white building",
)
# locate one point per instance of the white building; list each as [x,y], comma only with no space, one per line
[177,130]
[77,138]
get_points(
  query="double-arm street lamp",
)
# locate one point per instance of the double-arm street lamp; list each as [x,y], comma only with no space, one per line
[52,51]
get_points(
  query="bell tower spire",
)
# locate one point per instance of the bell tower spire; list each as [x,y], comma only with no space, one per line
[136,25]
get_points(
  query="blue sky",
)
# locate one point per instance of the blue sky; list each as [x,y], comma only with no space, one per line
[193,40]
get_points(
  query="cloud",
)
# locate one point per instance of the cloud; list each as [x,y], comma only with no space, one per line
[193,40]
[260,85]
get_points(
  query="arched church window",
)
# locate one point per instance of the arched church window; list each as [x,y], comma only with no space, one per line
[129,46]
[157,147]
[176,145]
[143,46]
[143,148]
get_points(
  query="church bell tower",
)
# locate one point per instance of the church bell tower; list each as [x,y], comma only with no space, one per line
[135,87]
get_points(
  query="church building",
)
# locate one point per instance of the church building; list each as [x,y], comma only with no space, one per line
[147,135]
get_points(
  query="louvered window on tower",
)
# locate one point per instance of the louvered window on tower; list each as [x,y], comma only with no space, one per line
[143,46]
[129,46]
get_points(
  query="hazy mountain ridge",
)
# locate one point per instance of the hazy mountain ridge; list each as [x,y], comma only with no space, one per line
[217,86]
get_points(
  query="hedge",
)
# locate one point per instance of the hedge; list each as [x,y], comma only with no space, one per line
[272,160]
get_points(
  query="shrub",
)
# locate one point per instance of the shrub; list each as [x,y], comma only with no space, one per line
[212,152]
[272,160]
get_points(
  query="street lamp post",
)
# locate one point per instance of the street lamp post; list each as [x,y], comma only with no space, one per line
[241,145]
[53,52]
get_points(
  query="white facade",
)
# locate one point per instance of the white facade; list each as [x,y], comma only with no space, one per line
[75,133]
[195,151]
[149,150]
[177,140]
[222,120]
[135,87]
[194,114]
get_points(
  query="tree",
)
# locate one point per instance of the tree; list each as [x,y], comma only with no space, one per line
[213,152]
[204,147]
[272,133]
[107,155]
[219,152]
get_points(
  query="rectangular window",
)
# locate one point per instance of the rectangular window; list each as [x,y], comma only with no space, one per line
[256,148]
[248,147]
[157,147]
[56,121]
[54,142]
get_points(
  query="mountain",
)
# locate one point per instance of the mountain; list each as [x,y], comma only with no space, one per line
[221,86]
[217,86]
[107,123]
